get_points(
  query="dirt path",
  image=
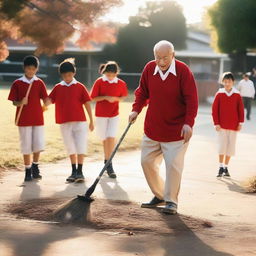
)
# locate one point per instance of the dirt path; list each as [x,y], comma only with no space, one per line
[203,198]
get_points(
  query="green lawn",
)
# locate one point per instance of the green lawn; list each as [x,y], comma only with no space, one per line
[10,155]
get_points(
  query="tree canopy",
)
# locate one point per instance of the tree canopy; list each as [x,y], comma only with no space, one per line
[51,23]
[157,21]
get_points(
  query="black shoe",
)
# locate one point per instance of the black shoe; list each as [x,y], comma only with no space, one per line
[170,208]
[110,171]
[226,173]
[36,172]
[72,177]
[221,171]
[153,203]
[79,176]
[28,176]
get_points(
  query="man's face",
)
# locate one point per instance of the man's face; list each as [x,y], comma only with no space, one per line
[30,71]
[163,57]
[246,78]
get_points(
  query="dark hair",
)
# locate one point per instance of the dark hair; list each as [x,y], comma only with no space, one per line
[110,66]
[246,75]
[68,65]
[228,75]
[31,60]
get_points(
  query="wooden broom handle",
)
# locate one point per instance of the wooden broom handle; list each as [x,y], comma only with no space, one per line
[21,107]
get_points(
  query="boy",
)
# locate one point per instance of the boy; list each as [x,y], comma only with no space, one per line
[29,115]
[70,97]
[228,116]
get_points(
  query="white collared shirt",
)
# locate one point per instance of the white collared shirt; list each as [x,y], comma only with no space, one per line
[25,80]
[74,81]
[246,88]
[171,69]
[115,80]
[233,90]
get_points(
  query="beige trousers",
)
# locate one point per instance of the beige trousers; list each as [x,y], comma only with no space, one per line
[152,154]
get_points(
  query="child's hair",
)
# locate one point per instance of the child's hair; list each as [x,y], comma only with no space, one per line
[68,65]
[31,60]
[228,75]
[110,66]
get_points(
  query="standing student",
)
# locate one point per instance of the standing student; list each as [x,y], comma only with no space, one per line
[70,98]
[228,116]
[247,90]
[108,91]
[26,94]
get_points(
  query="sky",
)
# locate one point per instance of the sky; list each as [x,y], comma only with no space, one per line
[193,10]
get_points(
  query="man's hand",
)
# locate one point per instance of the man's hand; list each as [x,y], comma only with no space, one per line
[186,132]
[217,128]
[239,127]
[133,116]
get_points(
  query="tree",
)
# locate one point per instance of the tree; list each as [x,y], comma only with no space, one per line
[234,27]
[135,41]
[50,23]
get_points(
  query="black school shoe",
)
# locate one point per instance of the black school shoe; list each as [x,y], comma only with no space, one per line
[72,177]
[153,203]
[79,176]
[220,173]
[36,172]
[28,174]
[226,173]
[110,170]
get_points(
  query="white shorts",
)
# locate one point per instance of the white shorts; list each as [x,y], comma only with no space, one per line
[107,126]
[31,139]
[74,135]
[227,142]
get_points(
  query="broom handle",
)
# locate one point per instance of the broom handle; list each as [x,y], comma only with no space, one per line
[112,154]
[21,107]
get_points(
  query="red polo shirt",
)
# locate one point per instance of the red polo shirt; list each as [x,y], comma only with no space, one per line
[105,108]
[171,103]
[69,101]
[32,113]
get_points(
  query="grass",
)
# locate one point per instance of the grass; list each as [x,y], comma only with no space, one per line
[10,156]
[251,185]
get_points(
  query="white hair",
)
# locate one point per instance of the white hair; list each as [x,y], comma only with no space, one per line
[163,43]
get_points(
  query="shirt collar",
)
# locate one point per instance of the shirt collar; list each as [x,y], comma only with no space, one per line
[25,80]
[233,90]
[115,80]
[74,81]
[171,69]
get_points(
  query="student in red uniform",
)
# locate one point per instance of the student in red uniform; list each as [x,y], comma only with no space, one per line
[228,116]
[70,97]
[108,91]
[30,121]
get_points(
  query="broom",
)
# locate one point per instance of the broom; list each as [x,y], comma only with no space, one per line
[78,209]
[21,107]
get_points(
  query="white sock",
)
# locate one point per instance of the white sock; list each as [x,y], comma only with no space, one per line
[27,166]
[225,165]
[221,165]
[35,162]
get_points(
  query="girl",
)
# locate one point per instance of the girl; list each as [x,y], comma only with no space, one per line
[108,91]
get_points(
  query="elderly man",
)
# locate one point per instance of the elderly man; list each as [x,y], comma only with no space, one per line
[169,88]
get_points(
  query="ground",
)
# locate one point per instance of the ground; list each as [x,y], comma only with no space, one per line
[216,217]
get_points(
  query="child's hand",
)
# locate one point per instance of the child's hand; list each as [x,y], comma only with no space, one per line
[44,108]
[24,101]
[239,127]
[111,99]
[218,128]
[91,126]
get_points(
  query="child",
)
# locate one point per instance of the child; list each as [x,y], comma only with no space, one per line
[29,115]
[107,91]
[70,96]
[228,116]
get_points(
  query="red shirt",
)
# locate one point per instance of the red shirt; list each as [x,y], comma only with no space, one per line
[69,102]
[105,108]
[228,109]
[32,113]
[171,103]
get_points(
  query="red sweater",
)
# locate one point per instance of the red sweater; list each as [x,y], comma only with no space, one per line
[228,109]
[105,108]
[171,103]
